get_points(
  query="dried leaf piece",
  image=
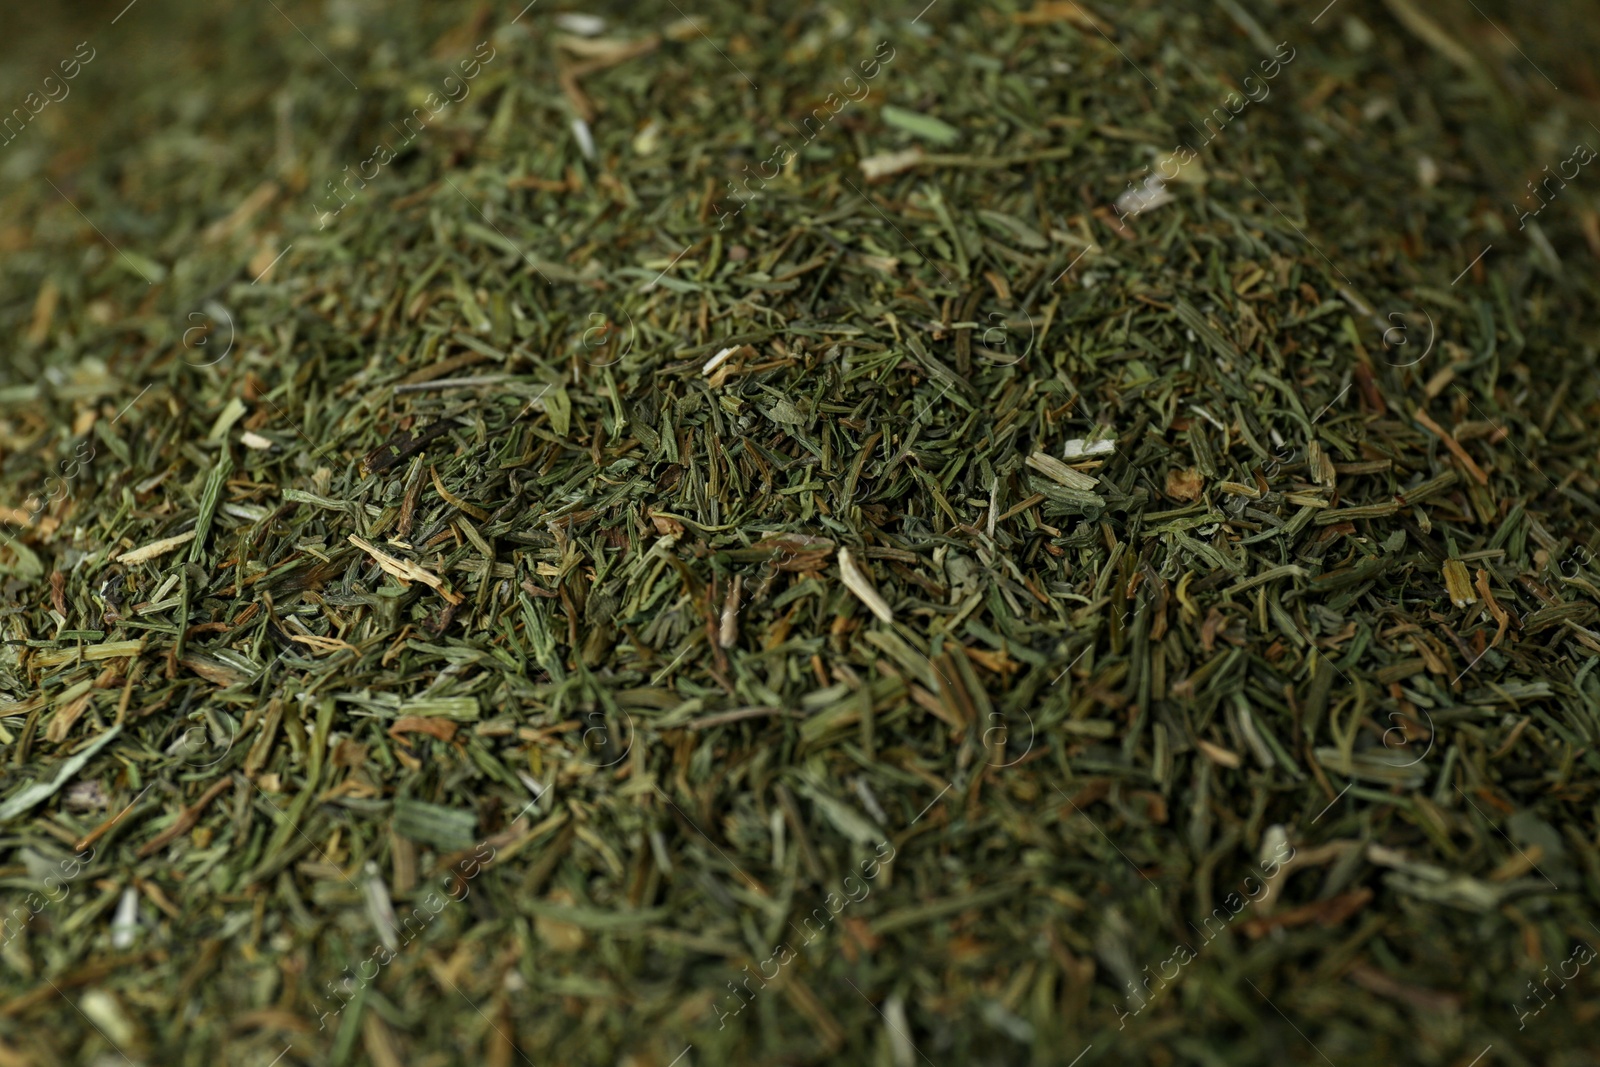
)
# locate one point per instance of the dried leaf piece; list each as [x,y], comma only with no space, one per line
[55,657]
[1219,755]
[1454,446]
[1502,618]
[156,548]
[1058,471]
[609,50]
[406,571]
[1152,194]
[666,526]
[1329,912]
[885,164]
[718,369]
[927,127]
[435,824]
[443,729]
[325,645]
[728,632]
[1047,11]
[862,587]
[1435,36]
[796,552]
[1185,485]
[455,501]
[1082,448]
[560,936]
[1431,1001]
[1457,584]
[214,671]
[405,444]
[187,817]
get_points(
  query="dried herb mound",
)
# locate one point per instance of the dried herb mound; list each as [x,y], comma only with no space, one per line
[1012,533]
